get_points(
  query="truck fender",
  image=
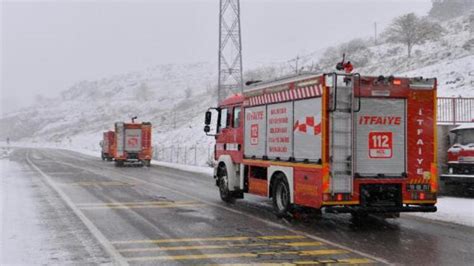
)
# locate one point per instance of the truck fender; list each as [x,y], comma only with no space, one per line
[288,172]
[234,179]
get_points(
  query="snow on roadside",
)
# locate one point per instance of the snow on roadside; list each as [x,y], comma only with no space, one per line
[452,210]
[184,167]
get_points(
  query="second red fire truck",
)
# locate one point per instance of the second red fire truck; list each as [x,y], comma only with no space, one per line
[342,142]
[133,143]
[108,146]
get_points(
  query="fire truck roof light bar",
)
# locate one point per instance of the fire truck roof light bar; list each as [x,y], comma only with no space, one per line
[422,84]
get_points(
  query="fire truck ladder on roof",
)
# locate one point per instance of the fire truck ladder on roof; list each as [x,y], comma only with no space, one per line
[342,132]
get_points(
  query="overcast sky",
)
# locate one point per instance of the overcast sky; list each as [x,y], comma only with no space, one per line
[48,46]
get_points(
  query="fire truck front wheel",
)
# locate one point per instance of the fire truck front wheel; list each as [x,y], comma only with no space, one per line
[223,181]
[118,163]
[281,196]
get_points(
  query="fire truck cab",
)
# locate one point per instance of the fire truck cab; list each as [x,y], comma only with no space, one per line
[461,156]
[339,142]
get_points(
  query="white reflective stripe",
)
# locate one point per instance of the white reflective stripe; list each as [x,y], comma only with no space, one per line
[232,146]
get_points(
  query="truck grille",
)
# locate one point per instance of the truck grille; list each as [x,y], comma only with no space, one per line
[132,156]
[463,169]
[381,195]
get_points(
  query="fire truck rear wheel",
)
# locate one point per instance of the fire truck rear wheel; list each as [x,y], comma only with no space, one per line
[281,196]
[224,191]
[146,163]
[118,163]
[103,157]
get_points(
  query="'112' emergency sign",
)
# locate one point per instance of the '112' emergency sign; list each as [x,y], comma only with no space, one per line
[380,145]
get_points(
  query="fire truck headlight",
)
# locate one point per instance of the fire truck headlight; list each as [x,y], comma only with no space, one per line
[450,170]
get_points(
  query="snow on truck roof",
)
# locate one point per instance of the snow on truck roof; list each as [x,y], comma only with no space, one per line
[463,126]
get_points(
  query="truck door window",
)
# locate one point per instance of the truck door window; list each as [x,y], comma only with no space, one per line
[236,117]
[224,121]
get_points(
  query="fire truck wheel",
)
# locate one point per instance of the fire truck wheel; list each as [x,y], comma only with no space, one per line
[281,196]
[146,163]
[109,159]
[118,163]
[224,192]
[103,157]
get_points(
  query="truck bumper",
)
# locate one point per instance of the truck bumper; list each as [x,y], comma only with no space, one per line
[362,209]
[457,178]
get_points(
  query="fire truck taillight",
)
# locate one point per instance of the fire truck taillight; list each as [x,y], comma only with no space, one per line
[397,82]
[421,192]
[422,195]
[337,197]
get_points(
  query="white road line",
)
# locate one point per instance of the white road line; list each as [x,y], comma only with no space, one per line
[114,254]
[270,223]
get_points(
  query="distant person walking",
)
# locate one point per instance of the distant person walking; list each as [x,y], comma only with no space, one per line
[8,141]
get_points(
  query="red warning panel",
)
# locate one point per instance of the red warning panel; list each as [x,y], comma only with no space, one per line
[254,134]
[380,145]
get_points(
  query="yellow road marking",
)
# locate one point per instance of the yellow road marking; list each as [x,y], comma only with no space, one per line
[239,255]
[85,204]
[309,262]
[232,238]
[355,261]
[306,252]
[142,206]
[303,244]
[294,244]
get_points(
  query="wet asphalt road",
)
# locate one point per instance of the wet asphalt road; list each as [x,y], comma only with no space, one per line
[159,215]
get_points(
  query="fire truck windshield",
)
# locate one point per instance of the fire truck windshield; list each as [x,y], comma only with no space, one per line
[464,137]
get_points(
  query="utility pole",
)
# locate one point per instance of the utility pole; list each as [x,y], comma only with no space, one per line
[230,49]
[296,60]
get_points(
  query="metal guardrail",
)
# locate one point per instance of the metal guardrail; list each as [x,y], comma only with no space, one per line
[198,155]
[454,110]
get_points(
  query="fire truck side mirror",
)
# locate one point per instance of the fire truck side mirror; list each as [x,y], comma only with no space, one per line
[208,118]
[207,129]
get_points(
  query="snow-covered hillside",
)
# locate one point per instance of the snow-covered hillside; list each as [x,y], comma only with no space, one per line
[175,97]
[172,97]
[450,59]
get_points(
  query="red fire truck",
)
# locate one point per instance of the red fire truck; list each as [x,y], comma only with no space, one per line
[108,145]
[133,143]
[342,142]
[461,157]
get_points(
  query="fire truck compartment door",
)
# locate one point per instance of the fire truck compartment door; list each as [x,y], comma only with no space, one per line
[256,129]
[279,131]
[307,130]
[133,140]
[380,129]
